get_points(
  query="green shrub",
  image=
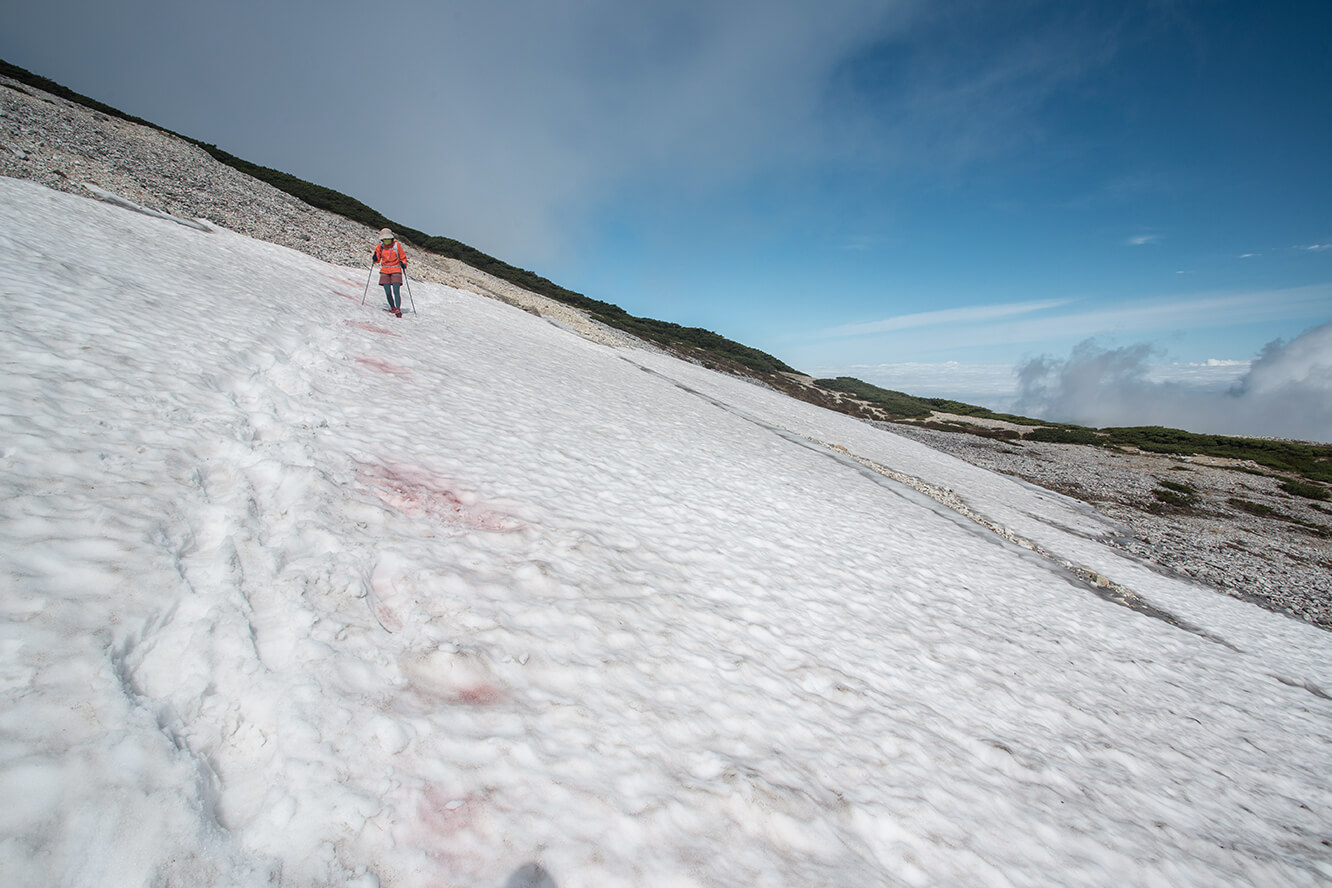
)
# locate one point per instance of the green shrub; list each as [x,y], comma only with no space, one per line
[1312,461]
[1322,531]
[1180,496]
[1064,435]
[1308,491]
[944,405]
[1178,487]
[1252,508]
[671,334]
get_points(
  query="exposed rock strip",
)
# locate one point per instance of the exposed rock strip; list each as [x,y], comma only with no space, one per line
[1268,559]
[1102,585]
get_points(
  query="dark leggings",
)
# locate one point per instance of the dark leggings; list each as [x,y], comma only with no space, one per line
[392,294]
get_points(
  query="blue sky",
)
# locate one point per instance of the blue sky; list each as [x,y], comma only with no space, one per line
[928,195]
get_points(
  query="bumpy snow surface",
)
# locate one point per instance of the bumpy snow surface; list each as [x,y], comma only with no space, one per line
[297,593]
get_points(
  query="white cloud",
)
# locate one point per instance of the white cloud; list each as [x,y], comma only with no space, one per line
[1317,248]
[1144,239]
[1286,392]
[1303,364]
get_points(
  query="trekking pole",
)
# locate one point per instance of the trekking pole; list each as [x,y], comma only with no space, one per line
[367,284]
[409,289]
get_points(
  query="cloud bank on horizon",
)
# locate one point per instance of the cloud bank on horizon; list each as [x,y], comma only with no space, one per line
[1286,392]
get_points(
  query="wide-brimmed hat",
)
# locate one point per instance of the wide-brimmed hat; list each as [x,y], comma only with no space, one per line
[385,234]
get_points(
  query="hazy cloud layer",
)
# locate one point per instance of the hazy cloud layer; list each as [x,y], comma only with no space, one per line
[591,94]
[1287,391]
[530,114]
[510,123]
[500,121]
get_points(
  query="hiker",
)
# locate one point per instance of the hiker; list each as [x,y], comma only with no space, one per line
[392,263]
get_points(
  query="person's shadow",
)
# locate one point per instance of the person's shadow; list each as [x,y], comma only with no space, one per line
[532,875]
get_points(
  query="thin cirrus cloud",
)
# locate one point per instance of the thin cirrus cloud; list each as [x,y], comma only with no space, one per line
[945,317]
[1037,321]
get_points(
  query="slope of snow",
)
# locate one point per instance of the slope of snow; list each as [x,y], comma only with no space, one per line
[296,593]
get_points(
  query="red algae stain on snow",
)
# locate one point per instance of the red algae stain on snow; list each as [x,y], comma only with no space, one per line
[373,328]
[479,695]
[450,831]
[340,279]
[384,366]
[454,678]
[443,814]
[417,492]
[442,678]
[346,294]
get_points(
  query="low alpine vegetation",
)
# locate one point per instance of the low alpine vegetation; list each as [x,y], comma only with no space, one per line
[1306,490]
[1176,495]
[1252,508]
[895,403]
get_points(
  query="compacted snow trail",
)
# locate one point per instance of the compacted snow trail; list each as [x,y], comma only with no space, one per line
[297,593]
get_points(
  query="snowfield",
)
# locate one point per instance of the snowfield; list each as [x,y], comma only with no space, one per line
[299,594]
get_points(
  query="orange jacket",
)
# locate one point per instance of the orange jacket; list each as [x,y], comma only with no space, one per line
[391,259]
